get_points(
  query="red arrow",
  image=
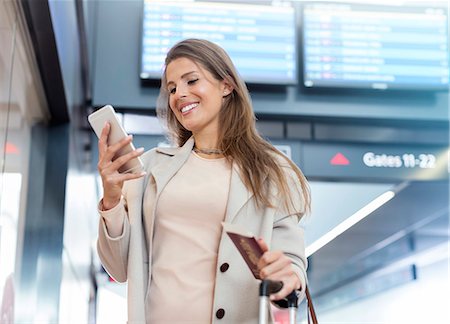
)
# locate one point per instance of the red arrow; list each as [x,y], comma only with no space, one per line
[339,159]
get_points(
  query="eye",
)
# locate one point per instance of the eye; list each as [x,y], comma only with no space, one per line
[172,90]
[191,82]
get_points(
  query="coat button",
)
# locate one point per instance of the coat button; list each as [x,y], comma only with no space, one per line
[220,313]
[224,267]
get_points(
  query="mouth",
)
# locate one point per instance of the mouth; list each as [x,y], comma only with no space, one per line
[187,108]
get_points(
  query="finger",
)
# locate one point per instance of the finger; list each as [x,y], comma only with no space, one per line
[282,264]
[102,167]
[117,179]
[269,257]
[132,176]
[280,275]
[289,285]
[113,149]
[117,163]
[286,290]
[262,244]
[103,140]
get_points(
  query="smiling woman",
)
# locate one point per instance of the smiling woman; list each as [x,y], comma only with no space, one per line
[163,233]
[196,98]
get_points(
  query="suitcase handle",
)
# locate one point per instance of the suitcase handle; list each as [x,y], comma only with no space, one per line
[268,287]
[289,301]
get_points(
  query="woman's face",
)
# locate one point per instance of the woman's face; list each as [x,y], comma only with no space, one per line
[195,96]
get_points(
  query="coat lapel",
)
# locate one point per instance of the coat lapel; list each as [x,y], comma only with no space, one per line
[237,196]
[163,172]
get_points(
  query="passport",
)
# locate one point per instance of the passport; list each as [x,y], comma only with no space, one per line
[247,246]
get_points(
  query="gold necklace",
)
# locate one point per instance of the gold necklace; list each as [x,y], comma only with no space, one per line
[208,151]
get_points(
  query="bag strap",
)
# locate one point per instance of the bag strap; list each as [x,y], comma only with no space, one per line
[311,312]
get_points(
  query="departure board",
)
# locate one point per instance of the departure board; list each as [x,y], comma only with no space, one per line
[379,47]
[260,37]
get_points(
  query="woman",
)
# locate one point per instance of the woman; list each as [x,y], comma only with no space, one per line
[161,230]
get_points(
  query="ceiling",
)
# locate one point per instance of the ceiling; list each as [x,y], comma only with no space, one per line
[406,228]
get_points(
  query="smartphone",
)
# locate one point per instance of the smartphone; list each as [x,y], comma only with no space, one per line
[107,114]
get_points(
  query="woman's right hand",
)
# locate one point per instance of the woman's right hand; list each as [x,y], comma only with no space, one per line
[112,180]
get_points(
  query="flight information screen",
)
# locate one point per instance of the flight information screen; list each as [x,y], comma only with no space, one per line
[260,37]
[379,47]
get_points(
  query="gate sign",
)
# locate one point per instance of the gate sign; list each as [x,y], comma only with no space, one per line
[375,162]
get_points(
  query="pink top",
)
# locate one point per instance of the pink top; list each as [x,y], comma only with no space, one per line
[186,240]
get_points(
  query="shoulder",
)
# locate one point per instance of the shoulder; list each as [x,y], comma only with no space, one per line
[297,185]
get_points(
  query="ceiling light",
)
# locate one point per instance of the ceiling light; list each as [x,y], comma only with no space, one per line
[349,222]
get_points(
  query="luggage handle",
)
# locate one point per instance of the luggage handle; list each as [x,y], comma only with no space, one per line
[268,287]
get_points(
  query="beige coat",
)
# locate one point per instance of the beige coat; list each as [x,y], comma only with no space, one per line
[128,257]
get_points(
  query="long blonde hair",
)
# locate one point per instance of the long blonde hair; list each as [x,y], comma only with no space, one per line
[258,160]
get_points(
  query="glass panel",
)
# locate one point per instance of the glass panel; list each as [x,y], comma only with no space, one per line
[9,183]
[14,147]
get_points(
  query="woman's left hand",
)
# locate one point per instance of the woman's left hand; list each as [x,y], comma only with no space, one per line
[276,266]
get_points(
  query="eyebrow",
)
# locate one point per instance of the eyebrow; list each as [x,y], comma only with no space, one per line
[183,76]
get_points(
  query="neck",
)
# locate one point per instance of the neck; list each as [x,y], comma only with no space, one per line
[210,152]
[207,141]
[207,146]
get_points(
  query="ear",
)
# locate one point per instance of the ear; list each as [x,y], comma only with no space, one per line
[227,88]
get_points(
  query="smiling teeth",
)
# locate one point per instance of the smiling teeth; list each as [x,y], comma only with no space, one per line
[189,107]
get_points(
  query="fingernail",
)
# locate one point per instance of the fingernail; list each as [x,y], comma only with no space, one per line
[141,149]
[143,173]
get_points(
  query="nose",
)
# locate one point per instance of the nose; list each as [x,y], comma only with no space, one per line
[180,92]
